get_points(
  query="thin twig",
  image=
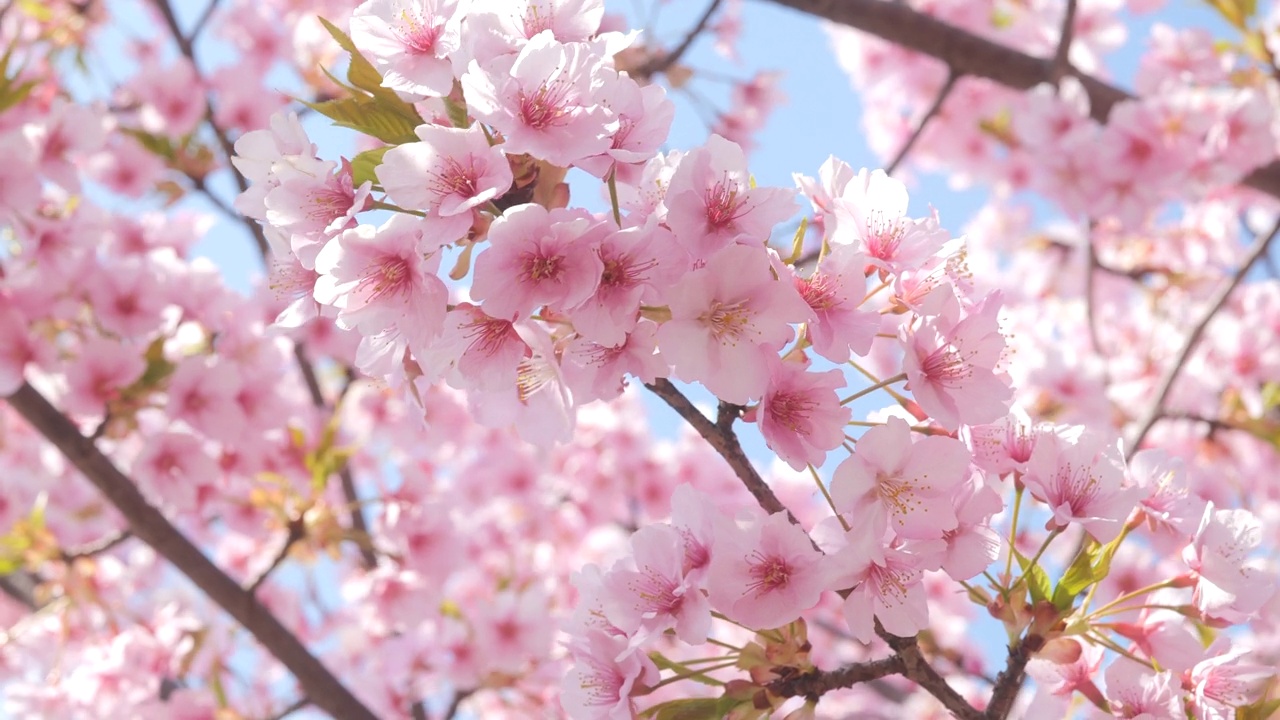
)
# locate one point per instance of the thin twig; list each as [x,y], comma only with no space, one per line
[297,531]
[1009,683]
[725,442]
[21,586]
[455,704]
[368,559]
[720,436]
[203,20]
[1259,249]
[95,548]
[151,526]
[816,683]
[947,87]
[292,708]
[666,60]
[1061,65]
[969,54]
[918,669]
[1091,269]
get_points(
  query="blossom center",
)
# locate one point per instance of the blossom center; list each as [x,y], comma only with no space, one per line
[768,573]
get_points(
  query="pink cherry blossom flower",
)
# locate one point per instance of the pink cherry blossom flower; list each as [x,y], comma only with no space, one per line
[1135,691]
[410,42]
[475,350]
[544,101]
[834,293]
[172,100]
[1167,502]
[103,369]
[693,513]
[1005,445]
[870,214]
[950,364]
[383,279]
[765,573]
[173,467]
[1067,666]
[1082,481]
[540,406]
[885,585]
[129,301]
[893,482]
[1224,682]
[501,27]
[972,545]
[202,394]
[17,347]
[800,414]
[653,594]
[538,257]
[644,121]
[833,177]
[1230,586]
[312,208]
[710,201]
[639,262]
[448,174]
[599,372]
[730,314]
[604,676]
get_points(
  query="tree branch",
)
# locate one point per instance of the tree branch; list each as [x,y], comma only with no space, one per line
[1259,249]
[297,531]
[1061,66]
[969,54]
[819,682]
[721,437]
[1009,682]
[666,60]
[152,527]
[95,548]
[947,87]
[368,559]
[918,669]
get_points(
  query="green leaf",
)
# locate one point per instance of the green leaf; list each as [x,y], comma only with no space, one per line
[362,74]
[692,709]
[1261,710]
[10,96]
[457,113]
[1083,572]
[1037,581]
[365,164]
[1236,12]
[370,116]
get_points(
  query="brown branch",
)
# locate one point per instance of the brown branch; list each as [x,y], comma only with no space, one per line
[819,682]
[95,548]
[943,94]
[368,559]
[451,712]
[1061,65]
[152,527]
[297,531]
[721,437]
[969,54]
[1009,682]
[21,586]
[1259,249]
[918,669]
[666,60]
[292,708]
